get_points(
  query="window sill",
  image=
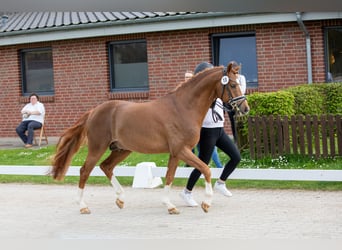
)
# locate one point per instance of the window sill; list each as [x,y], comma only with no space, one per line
[128,95]
[42,99]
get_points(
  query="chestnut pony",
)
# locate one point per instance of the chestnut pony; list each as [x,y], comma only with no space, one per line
[170,124]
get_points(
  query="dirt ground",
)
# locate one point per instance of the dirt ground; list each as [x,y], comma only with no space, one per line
[50,212]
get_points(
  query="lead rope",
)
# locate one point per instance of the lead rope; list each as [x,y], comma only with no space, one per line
[215,115]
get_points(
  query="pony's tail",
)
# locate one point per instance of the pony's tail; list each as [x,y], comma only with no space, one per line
[68,145]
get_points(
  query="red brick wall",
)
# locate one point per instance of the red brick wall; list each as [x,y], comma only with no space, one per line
[10,89]
[170,54]
[81,80]
[281,56]
[81,70]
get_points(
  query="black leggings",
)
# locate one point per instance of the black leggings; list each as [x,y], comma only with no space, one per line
[231,115]
[208,139]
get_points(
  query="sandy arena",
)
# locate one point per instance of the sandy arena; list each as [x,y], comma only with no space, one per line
[50,212]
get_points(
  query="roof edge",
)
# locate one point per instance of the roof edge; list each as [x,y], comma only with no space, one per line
[195,21]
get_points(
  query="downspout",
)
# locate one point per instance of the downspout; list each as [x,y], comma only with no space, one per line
[308,45]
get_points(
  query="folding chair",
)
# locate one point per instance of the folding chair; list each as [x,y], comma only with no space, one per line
[42,135]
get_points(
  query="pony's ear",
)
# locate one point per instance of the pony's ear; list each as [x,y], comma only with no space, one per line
[236,68]
[229,67]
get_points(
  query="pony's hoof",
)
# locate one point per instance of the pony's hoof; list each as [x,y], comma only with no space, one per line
[84,210]
[173,210]
[119,203]
[205,207]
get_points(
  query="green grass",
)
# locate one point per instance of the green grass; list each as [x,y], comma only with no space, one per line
[43,157]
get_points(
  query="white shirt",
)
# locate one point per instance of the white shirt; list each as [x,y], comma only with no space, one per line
[242,82]
[36,107]
[208,121]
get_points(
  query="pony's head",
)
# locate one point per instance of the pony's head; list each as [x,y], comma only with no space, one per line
[230,89]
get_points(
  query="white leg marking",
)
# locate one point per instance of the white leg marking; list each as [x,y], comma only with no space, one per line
[166,197]
[119,192]
[80,199]
[208,193]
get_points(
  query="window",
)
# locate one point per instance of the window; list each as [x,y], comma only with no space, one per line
[333,55]
[37,71]
[240,47]
[128,66]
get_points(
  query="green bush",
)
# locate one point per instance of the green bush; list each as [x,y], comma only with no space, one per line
[332,97]
[313,99]
[308,100]
[317,98]
[271,103]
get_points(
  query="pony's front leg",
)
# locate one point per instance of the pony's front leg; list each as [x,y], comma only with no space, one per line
[205,170]
[193,160]
[166,200]
[208,197]
[119,192]
[170,174]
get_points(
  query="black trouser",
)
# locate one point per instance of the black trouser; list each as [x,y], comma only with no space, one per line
[210,137]
[231,114]
[30,126]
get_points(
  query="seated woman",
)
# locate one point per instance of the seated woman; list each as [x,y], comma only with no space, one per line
[33,118]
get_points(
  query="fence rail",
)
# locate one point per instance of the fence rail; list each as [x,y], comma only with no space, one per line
[311,135]
[181,172]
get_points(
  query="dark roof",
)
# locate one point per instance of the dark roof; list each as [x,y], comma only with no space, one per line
[32,27]
[28,21]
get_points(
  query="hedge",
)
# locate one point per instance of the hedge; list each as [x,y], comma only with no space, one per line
[313,99]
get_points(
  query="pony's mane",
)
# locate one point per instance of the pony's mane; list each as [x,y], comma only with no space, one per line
[201,74]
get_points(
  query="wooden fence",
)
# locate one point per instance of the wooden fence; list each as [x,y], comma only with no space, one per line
[311,135]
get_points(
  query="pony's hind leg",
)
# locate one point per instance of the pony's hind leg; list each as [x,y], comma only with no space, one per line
[92,158]
[85,171]
[108,166]
[170,174]
[80,200]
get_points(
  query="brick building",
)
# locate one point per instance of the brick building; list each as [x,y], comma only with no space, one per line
[77,60]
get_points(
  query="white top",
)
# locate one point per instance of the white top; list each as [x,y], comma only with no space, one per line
[242,82]
[36,107]
[208,121]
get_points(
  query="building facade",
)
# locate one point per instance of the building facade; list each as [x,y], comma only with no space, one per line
[77,60]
